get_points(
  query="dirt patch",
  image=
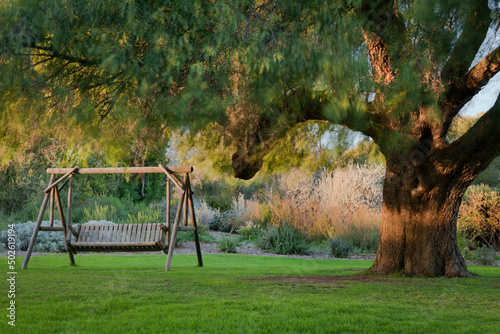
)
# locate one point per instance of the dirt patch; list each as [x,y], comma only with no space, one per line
[337,279]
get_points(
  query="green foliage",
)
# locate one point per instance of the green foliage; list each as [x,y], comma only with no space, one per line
[29,210]
[227,244]
[203,234]
[490,176]
[108,208]
[485,256]
[284,240]
[479,216]
[250,232]
[224,222]
[99,212]
[45,242]
[362,237]
[146,216]
[309,146]
[461,125]
[341,248]
[366,152]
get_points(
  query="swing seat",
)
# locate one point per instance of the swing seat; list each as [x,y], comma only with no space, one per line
[120,238]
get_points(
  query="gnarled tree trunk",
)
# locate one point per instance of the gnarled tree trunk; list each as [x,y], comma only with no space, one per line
[419,226]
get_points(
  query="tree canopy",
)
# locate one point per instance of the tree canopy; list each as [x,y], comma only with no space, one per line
[102,72]
[107,69]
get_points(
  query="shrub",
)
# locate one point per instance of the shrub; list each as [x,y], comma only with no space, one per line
[205,215]
[284,240]
[29,210]
[479,216]
[225,222]
[341,248]
[244,210]
[203,234]
[108,208]
[361,228]
[227,244]
[343,203]
[146,216]
[249,231]
[45,241]
[485,256]
[100,212]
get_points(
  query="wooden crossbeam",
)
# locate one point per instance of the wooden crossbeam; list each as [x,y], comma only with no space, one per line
[120,170]
[69,171]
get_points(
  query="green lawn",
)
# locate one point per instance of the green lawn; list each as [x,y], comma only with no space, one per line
[133,294]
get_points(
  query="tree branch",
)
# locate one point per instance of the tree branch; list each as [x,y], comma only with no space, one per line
[56,54]
[476,149]
[473,33]
[381,24]
[464,90]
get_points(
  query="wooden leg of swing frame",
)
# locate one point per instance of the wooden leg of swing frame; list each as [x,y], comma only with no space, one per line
[193,223]
[37,226]
[173,232]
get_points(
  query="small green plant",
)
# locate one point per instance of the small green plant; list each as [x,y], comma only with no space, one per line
[227,244]
[249,232]
[146,216]
[341,248]
[203,234]
[485,256]
[100,212]
[284,240]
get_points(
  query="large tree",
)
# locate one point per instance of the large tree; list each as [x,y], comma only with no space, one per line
[398,71]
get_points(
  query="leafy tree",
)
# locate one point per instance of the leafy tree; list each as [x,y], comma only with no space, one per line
[397,71]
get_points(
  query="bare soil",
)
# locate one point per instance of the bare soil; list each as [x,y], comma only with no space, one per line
[337,280]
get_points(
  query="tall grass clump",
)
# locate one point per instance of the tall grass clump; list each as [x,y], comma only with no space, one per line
[342,203]
[284,240]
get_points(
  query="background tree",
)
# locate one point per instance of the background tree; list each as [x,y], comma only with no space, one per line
[397,71]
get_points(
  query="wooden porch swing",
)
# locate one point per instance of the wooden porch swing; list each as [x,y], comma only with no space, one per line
[118,237]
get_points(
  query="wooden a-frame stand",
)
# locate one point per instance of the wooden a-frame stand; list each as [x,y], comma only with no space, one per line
[122,237]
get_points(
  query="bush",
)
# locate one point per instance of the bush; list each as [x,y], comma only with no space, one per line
[346,201]
[227,244]
[485,256]
[224,222]
[249,232]
[341,248]
[188,236]
[205,215]
[45,241]
[284,240]
[363,234]
[146,216]
[108,208]
[479,216]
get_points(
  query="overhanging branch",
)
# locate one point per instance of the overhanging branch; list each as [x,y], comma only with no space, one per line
[473,33]
[464,90]
[56,54]
[475,150]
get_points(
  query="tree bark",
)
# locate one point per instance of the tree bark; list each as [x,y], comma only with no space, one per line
[419,222]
